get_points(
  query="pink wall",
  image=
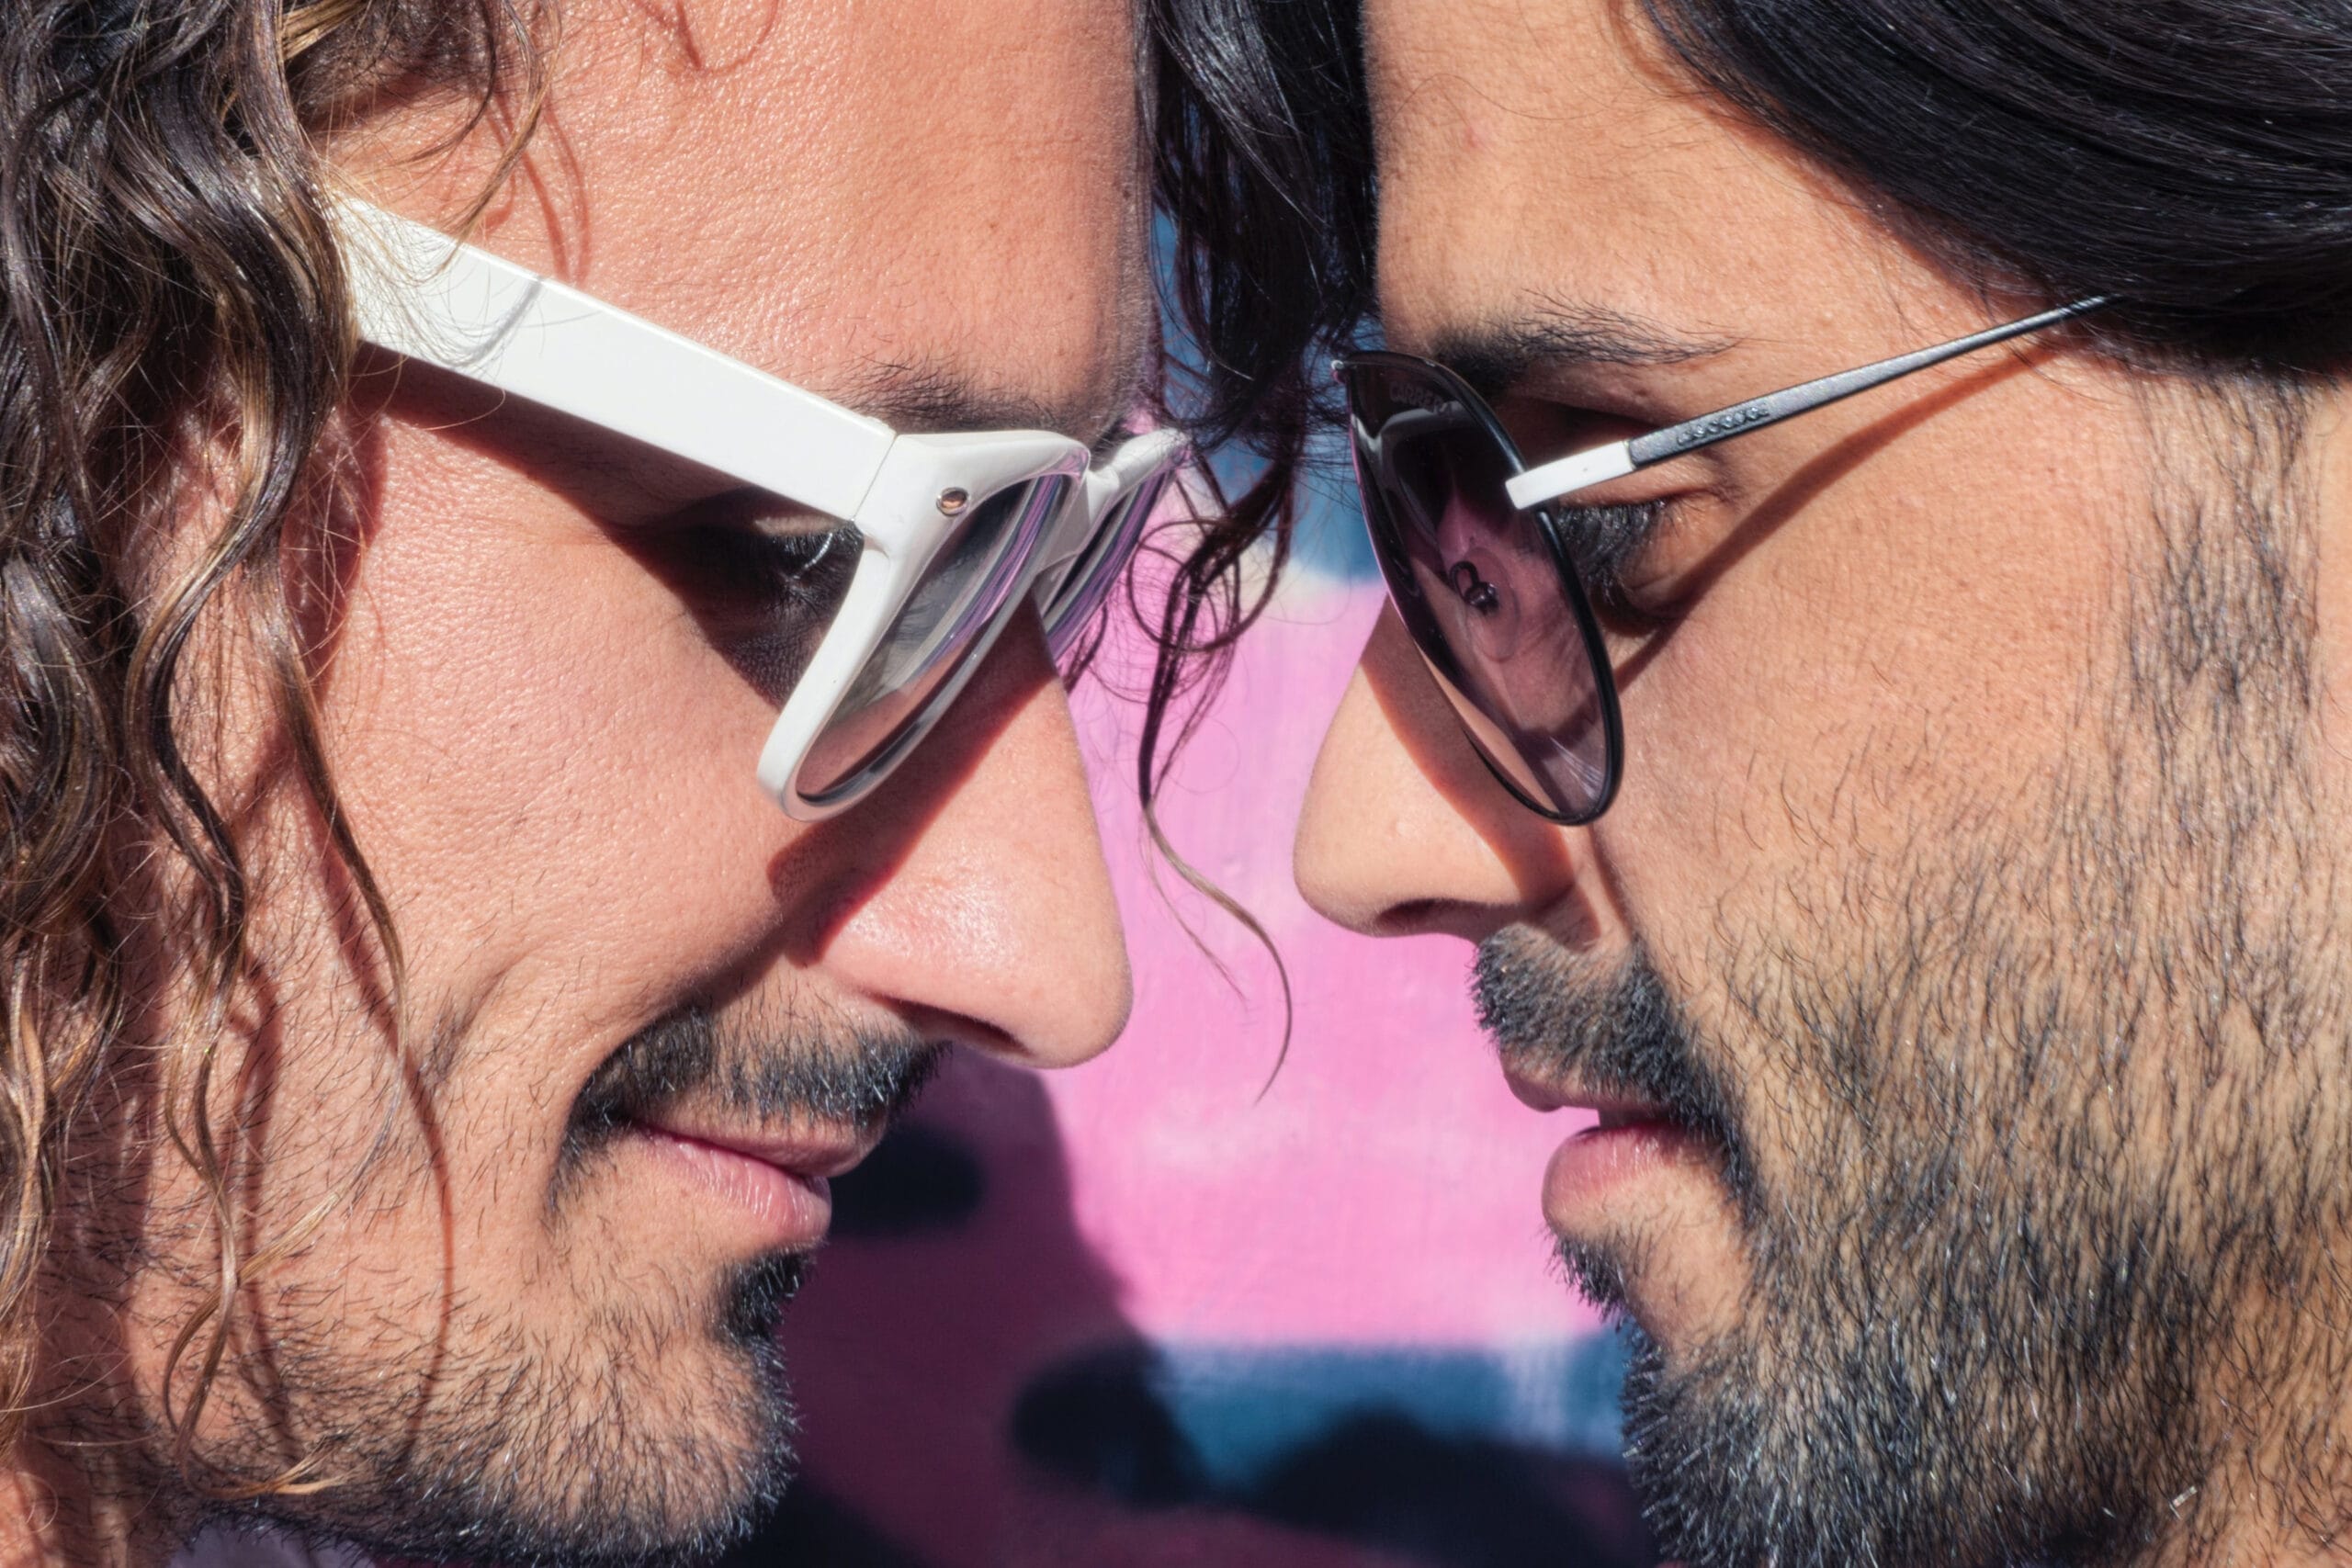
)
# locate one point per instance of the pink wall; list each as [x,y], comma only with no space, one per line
[1182,1315]
[1387,1135]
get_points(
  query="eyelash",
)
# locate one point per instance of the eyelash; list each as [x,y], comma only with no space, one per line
[764,598]
[788,569]
[1112,439]
[805,565]
[1603,541]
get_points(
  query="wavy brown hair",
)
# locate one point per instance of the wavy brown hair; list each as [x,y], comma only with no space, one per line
[176,343]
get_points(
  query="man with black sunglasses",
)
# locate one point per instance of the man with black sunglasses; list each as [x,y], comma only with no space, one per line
[535,545]
[1911,809]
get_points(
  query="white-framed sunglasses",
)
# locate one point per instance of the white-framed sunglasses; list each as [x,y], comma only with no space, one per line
[955,532]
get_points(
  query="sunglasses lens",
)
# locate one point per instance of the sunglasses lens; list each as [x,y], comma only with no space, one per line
[1098,567]
[1500,619]
[909,676]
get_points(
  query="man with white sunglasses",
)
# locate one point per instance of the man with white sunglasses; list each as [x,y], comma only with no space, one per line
[501,811]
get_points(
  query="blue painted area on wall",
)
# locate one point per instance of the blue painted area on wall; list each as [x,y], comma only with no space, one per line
[1244,1408]
[1330,540]
[1475,1458]
[1330,537]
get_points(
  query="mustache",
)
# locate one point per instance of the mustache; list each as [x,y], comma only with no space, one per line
[1612,1026]
[857,1076]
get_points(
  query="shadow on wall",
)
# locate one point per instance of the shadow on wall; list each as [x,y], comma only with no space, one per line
[974,1397]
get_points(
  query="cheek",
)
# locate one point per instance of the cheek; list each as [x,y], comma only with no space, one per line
[549,770]
[1909,653]
[546,760]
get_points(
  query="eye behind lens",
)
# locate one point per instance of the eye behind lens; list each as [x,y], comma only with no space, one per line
[949,613]
[762,581]
[1502,625]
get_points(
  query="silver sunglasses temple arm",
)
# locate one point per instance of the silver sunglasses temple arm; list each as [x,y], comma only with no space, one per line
[1584,469]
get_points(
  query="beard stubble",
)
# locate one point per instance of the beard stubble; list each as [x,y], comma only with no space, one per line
[501,1443]
[2049,1278]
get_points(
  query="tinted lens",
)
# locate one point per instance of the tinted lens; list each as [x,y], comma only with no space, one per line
[959,596]
[1501,622]
[1099,565]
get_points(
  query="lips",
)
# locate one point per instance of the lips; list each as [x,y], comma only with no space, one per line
[779,1185]
[814,1155]
[1613,1107]
[1591,1171]
[1599,1170]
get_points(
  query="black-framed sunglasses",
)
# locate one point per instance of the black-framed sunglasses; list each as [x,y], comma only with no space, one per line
[1470,546]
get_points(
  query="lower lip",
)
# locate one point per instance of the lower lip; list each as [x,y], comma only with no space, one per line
[790,1209]
[1599,1162]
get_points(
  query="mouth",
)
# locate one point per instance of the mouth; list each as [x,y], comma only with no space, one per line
[744,1128]
[1618,1165]
[779,1186]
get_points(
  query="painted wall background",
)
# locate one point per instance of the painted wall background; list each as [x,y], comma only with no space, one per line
[1162,1310]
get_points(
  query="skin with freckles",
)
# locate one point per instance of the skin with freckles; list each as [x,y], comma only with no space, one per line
[510,1304]
[1955,971]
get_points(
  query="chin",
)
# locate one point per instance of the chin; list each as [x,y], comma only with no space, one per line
[632,1430]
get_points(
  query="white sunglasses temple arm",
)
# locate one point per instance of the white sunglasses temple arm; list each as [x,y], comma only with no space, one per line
[428,298]
[1582,470]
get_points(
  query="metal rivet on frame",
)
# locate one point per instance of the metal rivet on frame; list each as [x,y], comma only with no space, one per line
[953,501]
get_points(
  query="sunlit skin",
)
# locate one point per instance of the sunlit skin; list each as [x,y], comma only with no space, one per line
[1853,623]
[548,758]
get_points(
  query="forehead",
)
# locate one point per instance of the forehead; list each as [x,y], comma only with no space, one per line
[838,191]
[1554,152]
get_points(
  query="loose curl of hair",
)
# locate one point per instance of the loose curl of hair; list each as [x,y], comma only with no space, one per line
[1262,164]
[1258,278]
[175,341]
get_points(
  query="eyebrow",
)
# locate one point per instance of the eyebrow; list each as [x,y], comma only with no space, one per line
[917,397]
[1496,355]
[933,399]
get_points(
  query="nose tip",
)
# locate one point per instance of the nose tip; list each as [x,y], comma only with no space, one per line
[1038,977]
[1332,855]
[998,927]
[1094,1026]
[1404,830]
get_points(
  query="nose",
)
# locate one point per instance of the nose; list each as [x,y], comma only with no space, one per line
[993,923]
[1404,830]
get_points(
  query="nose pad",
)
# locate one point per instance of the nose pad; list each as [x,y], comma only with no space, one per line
[1488,610]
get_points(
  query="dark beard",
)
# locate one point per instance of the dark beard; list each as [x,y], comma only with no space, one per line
[530,1453]
[2065,1157]
[1615,1029]
[1914,1311]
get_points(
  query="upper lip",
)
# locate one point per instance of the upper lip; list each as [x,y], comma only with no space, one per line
[1543,1094]
[824,1150]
